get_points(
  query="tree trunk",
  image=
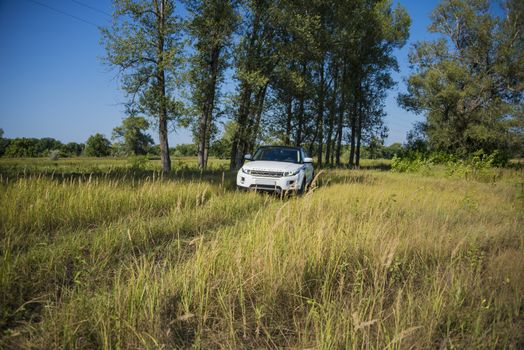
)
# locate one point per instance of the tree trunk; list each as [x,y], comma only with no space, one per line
[161,80]
[340,128]
[359,133]
[202,128]
[359,138]
[342,107]
[239,138]
[289,118]
[320,116]
[206,118]
[301,110]
[331,119]
[240,141]
[259,108]
[298,138]
[353,118]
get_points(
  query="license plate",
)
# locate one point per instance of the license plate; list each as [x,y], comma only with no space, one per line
[266,182]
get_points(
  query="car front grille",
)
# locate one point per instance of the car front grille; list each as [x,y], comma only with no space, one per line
[264,173]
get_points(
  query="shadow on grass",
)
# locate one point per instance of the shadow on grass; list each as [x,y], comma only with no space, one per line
[219,177]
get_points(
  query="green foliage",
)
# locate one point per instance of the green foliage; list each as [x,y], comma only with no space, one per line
[3,142]
[143,42]
[184,150]
[211,26]
[72,149]
[131,44]
[415,163]
[221,148]
[139,163]
[333,70]
[30,147]
[376,150]
[469,83]
[479,166]
[33,147]
[97,146]
[132,134]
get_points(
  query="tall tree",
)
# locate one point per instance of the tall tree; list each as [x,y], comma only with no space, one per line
[143,42]
[133,134]
[381,30]
[211,26]
[254,65]
[469,83]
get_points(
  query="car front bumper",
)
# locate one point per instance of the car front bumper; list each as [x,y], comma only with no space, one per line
[278,184]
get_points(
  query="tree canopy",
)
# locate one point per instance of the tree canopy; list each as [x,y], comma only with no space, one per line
[469,83]
[132,134]
[97,146]
[143,42]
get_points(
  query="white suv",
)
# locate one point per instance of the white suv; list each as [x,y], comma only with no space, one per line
[276,168]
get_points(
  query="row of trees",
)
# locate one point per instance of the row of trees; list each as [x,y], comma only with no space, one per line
[130,138]
[307,73]
[33,147]
[315,73]
[325,66]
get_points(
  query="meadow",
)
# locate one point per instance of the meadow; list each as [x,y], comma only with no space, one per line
[111,254]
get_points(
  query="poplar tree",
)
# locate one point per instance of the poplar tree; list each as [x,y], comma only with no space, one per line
[143,43]
[210,27]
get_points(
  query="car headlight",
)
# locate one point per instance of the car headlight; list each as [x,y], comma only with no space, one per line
[292,173]
[246,171]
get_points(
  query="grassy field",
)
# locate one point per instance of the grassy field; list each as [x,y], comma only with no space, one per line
[111,254]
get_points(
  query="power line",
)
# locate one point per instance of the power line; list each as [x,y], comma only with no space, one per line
[91,7]
[64,13]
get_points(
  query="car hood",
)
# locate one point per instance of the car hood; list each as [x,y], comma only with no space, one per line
[266,165]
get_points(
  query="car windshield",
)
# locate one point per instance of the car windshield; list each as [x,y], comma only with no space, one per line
[278,154]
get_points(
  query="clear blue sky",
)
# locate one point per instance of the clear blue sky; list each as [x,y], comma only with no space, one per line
[53,84]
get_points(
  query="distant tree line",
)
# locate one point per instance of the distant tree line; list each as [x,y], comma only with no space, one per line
[129,139]
[33,147]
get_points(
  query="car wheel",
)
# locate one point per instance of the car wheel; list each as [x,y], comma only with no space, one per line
[302,187]
[312,178]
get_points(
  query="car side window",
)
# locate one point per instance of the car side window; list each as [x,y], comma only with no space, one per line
[303,155]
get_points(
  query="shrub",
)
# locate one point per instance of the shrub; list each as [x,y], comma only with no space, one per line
[54,154]
[138,162]
[97,146]
[412,163]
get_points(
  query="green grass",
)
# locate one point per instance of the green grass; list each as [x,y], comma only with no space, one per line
[101,254]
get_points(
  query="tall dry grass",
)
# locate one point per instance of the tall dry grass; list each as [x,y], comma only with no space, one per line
[370,259]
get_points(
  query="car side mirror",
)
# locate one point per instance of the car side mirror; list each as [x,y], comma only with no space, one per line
[308,160]
[248,157]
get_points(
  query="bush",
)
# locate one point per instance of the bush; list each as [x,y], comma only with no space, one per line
[414,163]
[184,150]
[54,154]
[138,162]
[479,166]
[97,146]
[72,149]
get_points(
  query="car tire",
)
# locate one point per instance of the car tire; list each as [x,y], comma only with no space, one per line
[302,187]
[312,178]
